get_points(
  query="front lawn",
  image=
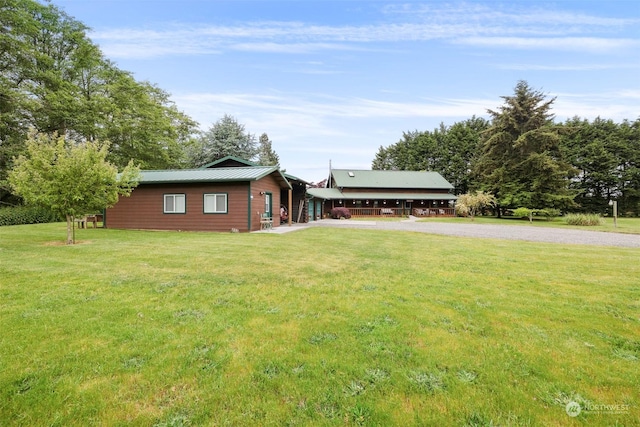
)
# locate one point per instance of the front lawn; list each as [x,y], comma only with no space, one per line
[624,225]
[321,326]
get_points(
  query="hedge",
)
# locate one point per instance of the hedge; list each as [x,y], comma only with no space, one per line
[20,215]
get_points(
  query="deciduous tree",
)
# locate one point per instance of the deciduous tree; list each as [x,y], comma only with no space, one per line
[472,203]
[69,179]
[53,78]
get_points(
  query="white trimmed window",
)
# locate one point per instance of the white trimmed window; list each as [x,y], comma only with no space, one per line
[174,203]
[215,203]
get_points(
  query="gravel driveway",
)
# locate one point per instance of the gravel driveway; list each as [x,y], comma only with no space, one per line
[511,232]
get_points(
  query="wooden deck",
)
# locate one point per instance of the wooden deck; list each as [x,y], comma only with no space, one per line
[399,212]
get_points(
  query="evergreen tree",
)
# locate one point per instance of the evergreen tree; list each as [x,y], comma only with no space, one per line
[266,155]
[451,151]
[591,148]
[226,137]
[520,161]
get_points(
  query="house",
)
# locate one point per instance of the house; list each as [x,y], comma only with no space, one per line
[383,193]
[292,199]
[230,193]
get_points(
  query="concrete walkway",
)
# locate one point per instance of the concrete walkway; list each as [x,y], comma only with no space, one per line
[468,229]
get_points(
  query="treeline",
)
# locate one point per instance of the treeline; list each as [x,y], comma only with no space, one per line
[527,160]
[54,79]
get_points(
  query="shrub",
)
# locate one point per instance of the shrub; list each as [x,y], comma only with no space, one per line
[462,210]
[339,213]
[523,213]
[583,219]
[20,215]
[472,203]
[548,213]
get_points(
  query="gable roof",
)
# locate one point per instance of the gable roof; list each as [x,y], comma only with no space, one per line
[335,194]
[350,178]
[229,174]
[229,161]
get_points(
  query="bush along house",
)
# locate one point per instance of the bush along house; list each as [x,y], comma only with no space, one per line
[227,195]
[375,193]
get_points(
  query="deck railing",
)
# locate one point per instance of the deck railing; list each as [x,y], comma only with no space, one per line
[434,212]
[398,212]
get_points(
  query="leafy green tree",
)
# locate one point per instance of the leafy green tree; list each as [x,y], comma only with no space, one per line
[143,124]
[590,148]
[266,155]
[16,65]
[451,151]
[628,153]
[461,151]
[69,179]
[520,161]
[53,78]
[472,203]
[226,137]
[383,159]
[607,157]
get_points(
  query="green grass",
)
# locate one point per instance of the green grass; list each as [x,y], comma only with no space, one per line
[624,225]
[318,327]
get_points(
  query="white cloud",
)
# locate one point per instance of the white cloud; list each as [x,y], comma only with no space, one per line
[584,44]
[308,126]
[464,23]
[311,110]
[524,17]
[617,105]
[291,48]
[565,67]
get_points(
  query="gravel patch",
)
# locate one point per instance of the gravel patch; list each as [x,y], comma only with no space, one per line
[510,232]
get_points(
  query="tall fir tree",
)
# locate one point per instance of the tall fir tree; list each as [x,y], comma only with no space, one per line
[226,137]
[266,155]
[520,161]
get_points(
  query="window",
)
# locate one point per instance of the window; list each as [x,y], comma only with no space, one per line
[174,203]
[215,203]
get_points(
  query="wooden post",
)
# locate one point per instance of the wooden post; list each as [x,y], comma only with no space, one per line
[290,212]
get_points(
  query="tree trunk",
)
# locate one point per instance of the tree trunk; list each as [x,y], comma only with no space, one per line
[70,238]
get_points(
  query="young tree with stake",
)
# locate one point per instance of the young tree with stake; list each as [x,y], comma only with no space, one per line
[69,179]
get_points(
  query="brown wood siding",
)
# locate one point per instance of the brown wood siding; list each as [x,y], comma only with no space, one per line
[267,184]
[144,209]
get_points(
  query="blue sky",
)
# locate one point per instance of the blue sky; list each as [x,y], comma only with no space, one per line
[335,80]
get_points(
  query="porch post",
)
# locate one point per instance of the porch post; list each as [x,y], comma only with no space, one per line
[290,193]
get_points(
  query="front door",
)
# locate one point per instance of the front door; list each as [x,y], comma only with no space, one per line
[312,208]
[268,210]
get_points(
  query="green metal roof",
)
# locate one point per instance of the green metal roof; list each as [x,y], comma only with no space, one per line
[352,178]
[399,196]
[249,173]
[335,194]
[294,178]
[232,158]
[325,193]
